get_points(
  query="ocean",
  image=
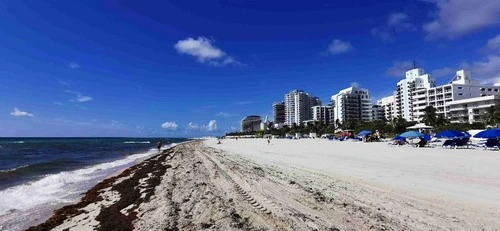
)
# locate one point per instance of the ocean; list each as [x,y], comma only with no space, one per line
[38,175]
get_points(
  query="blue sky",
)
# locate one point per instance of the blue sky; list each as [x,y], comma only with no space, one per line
[192,68]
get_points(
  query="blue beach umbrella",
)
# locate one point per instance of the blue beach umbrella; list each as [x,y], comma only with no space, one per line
[491,133]
[449,134]
[467,134]
[364,133]
[398,138]
[412,134]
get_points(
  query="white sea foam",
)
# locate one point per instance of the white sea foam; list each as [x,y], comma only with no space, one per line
[18,142]
[23,204]
[14,169]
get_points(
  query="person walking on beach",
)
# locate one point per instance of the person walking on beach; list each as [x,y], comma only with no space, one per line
[158,145]
[268,140]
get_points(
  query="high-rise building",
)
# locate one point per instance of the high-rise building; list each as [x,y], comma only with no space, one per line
[279,112]
[387,105]
[461,87]
[298,106]
[415,79]
[352,103]
[250,123]
[321,114]
[418,90]
[378,112]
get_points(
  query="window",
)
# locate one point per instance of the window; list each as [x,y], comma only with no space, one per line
[460,94]
[459,87]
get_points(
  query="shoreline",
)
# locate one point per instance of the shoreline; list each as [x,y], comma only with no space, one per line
[93,195]
[202,185]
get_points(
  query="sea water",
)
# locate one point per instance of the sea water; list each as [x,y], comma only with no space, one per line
[38,175]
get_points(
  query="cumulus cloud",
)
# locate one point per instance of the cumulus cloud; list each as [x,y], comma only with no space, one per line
[169,126]
[210,127]
[204,52]
[396,22]
[18,112]
[338,47]
[487,70]
[193,127]
[73,65]
[494,44]
[398,69]
[443,72]
[79,96]
[455,18]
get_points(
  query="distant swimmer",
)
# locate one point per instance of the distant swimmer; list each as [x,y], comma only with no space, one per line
[158,145]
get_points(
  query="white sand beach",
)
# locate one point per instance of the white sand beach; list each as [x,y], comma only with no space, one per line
[308,184]
[465,181]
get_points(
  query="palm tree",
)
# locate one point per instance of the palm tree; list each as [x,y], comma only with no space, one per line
[429,117]
[492,116]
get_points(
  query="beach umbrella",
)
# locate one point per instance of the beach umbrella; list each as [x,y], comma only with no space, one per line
[490,133]
[449,134]
[364,133]
[398,138]
[467,134]
[411,134]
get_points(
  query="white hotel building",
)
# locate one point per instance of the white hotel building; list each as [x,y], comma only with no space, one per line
[352,103]
[460,88]
[470,110]
[418,90]
[387,105]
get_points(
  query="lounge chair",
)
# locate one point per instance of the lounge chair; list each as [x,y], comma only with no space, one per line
[463,142]
[449,143]
[492,144]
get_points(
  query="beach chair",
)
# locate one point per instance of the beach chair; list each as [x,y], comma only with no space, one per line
[463,142]
[449,143]
[491,144]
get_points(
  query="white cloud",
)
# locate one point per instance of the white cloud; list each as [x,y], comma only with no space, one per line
[487,70]
[204,51]
[384,35]
[63,82]
[239,103]
[455,18]
[169,126]
[443,72]
[212,126]
[73,65]
[399,21]
[18,112]
[338,47]
[223,114]
[396,22]
[398,69]
[494,44]
[79,96]
[193,127]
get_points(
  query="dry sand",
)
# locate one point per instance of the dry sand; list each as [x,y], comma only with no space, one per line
[295,185]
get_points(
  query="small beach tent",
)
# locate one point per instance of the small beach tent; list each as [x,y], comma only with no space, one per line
[449,134]
[364,133]
[490,134]
[412,134]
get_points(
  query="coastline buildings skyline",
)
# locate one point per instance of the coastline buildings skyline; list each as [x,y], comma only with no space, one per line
[463,99]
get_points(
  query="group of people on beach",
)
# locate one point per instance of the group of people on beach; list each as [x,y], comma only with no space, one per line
[374,137]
